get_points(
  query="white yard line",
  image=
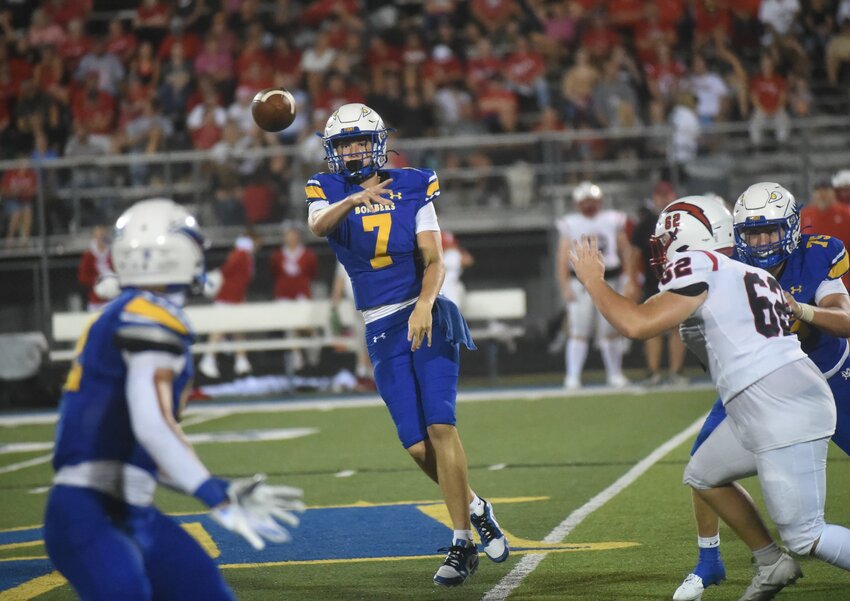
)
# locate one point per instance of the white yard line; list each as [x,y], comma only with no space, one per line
[14,467]
[529,562]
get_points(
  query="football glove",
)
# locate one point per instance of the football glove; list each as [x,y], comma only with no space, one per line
[213,281]
[107,286]
[256,510]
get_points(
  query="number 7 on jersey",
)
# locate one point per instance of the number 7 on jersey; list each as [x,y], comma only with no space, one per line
[384,223]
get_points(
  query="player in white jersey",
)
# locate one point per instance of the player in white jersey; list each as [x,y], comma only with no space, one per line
[780,409]
[607,226]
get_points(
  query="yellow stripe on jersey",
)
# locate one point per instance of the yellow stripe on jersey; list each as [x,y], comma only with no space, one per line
[433,188]
[840,268]
[145,308]
[315,192]
[75,374]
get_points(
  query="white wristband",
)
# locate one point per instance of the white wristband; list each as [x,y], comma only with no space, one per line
[807,313]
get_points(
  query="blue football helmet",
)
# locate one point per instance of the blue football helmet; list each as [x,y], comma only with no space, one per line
[355,121]
[762,205]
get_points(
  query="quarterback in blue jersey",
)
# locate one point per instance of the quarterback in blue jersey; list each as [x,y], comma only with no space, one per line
[809,268]
[383,228]
[118,434]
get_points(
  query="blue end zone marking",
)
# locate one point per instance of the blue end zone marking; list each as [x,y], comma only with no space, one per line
[339,533]
[15,573]
[326,534]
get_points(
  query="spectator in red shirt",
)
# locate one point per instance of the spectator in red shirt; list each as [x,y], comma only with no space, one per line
[494,15]
[75,46]
[43,31]
[236,275]
[62,12]
[671,12]
[769,97]
[215,62]
[18,188]
[825,215]
[151,20]
[625,15]
[191,43]
[206,121]
[293,266]
[94,106]
[525,71]
[712,18]
[664,74]
[652,31]
[599,39]
[335,93]
[120,42]
[483,65]
[498,106]
[95,263]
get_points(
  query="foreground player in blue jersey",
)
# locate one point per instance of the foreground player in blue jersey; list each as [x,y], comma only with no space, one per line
[809,268]
[118,434]
[383,228]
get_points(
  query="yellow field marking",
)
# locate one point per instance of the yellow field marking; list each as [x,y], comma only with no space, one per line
[441,514]
[356,504]
[9,546]
[360,504]
[33,588]
[199,533]
[563,548]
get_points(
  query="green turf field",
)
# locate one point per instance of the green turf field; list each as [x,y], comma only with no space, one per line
[373,527]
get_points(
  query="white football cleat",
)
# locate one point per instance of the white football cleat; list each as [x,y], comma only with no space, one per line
[769,580]
[690,590]
[572,383]
[493,540]
[618,381]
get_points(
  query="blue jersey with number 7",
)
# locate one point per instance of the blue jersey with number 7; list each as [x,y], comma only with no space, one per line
[378,248]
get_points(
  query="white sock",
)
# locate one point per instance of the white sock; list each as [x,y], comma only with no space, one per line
[576,356]
[708,543]
[462,535]
[768,555]
[834,546]
[476,506]
[612,355]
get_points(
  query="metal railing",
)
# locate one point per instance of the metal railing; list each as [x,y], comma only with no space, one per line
[489,182]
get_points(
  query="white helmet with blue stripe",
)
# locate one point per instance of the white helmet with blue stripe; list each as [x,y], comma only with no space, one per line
[158,243]
[355,121]
[765,205]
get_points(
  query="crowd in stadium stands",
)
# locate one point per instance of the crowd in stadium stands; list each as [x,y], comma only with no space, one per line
[182,75]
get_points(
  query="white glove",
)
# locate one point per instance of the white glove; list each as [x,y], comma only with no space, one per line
[256,507]
[107,286]
[212,283]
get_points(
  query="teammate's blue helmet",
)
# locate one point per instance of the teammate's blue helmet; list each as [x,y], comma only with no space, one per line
[355,121]
[767,204]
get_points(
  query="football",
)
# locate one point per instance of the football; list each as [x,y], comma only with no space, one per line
[273,109]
